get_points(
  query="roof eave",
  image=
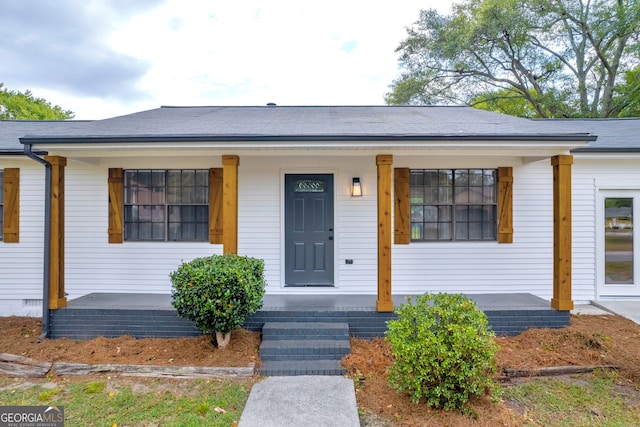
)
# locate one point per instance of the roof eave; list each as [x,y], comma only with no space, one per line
[34,140]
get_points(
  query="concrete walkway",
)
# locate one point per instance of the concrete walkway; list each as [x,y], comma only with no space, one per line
[309,401]
[624,308]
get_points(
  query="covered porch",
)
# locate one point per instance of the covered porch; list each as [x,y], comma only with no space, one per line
[152,315]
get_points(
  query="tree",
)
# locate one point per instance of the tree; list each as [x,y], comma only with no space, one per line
[16,105]
[562,58]
[629,90]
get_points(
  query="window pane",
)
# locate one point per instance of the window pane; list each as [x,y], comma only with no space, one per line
[431,178]
[444,231]
[188,195]
[158,179]
[174,231]
[431,213]
[417,178]
[417,213]
[188,231]
[157,214]
[462,177]
[475,195]
[489,195]
[462,195]
[143,179]
[202,178]
[130,231]
[188,214]
[489,177]
[157,196]
[130,195]
[475,231]
[202,214]
[417,195]
[475,177]
[202,195]
[416,231]
[462,213]
[475,213]
[202,232]
[431,195]
[488,231]
[145,231]
[446,177]
[618,241]
[489,214]
[145,213]
[445,194]
[462,231]
[444,213]
[129,178]
[431,231]
[158,231]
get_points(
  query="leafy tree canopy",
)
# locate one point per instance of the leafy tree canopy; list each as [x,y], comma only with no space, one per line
[16,105]
[533,58]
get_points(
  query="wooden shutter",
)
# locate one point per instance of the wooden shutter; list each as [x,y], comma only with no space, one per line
[505,205]
[402,206]
[215,205]
[116,206]
[11,216]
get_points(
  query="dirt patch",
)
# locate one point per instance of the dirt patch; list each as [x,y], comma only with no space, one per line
[19,336]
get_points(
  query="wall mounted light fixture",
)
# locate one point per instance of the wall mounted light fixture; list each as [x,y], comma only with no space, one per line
[356,187]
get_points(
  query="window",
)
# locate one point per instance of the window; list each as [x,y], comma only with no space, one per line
[453,204]
[1,203]
[166,205]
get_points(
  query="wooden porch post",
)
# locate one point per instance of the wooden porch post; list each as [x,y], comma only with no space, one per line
[57,298]
[230,165]
[385,204]
[562,232]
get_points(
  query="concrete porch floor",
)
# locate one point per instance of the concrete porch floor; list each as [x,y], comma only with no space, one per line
[308,302]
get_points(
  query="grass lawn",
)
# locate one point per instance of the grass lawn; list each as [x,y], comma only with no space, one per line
[108,401]
[584,400]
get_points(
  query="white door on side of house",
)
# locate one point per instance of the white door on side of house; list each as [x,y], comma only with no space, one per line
[618,244]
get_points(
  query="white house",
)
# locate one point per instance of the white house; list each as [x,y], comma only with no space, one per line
[453,199]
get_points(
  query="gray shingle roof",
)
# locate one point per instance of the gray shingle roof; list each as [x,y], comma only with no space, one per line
[12,130]
[278,122]
[614,135]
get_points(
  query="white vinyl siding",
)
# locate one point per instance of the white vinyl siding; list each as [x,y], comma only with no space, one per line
[21,264]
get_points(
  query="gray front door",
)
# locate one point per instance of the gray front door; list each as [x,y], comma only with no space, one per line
[308,217]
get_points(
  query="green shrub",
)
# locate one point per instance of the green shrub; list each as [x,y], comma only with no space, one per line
[218,293]
[443,350]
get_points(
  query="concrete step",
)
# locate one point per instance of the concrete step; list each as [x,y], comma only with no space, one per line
[305,330]
[301,367]
[304,349]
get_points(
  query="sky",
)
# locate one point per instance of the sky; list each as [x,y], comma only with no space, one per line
[105,58]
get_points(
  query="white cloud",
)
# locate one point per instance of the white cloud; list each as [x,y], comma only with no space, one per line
[240,53]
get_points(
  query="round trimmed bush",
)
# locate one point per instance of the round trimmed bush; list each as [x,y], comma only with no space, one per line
[218,293]
[443,349]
